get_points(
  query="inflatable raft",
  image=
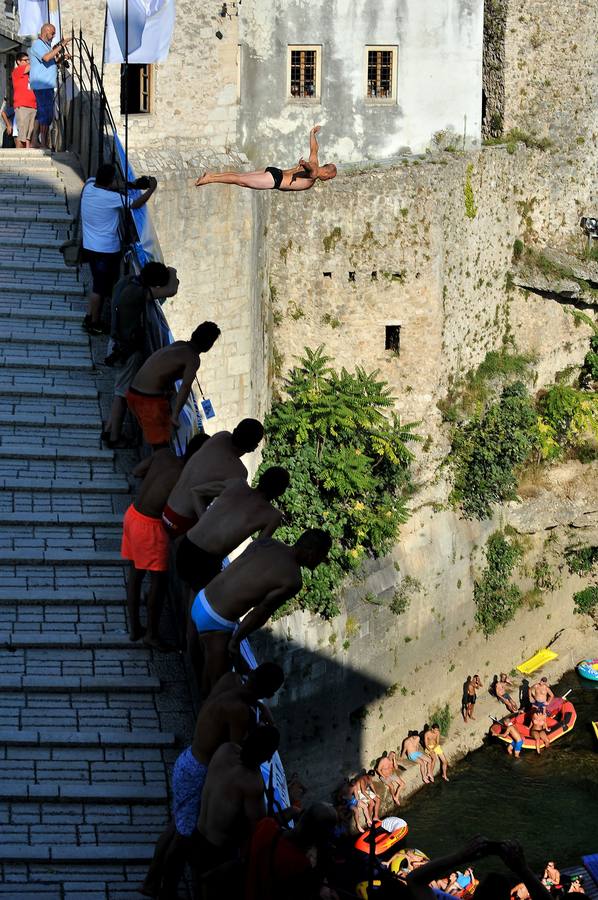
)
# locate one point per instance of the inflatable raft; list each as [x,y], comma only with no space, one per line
[560,719]
[383,839]
[588,668]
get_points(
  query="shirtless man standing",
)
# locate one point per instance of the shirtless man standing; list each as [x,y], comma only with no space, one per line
[218,461]
[434,748]
[237,512]
[301,177]
[538,731]
[255,585]
[514,748]
[413,751]
[541,694]
[228,714]
[144,541]
[387,770]
[232,802]
[149,396]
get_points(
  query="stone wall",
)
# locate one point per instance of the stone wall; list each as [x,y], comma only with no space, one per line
[396,246]
[214,236]
[356,685]
[551,79]
[493,70]
[195,91]
[439,76]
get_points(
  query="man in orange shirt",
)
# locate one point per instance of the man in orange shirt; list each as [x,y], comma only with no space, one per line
[23,101]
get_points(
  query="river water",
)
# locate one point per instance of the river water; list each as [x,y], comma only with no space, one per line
[548,802]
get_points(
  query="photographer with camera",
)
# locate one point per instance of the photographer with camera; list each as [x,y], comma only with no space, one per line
[131,297]
[43,59]
[101,204]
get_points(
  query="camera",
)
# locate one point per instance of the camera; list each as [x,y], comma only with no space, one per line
[589,225]
[142,182]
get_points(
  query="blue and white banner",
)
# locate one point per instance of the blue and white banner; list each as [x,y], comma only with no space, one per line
[35,13]
[151,23]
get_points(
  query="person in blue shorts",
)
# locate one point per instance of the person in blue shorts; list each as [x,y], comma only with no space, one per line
[516,745]
[43,59]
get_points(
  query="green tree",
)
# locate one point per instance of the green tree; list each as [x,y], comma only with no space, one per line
[346,451]
[495,598]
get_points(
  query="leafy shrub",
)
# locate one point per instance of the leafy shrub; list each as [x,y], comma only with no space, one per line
[581,560]
[347,454]
[589,371]
[442,717]
[496,600]
[586,601]
[471,392]
[404,594]
[568,417]
[488,449]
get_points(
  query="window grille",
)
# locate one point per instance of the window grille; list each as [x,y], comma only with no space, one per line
[304,73]
[380,73]
[136,88]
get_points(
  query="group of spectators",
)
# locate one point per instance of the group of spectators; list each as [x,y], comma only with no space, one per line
[28,118]
[190,513]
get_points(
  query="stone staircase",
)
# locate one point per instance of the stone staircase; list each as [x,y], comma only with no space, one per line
[89,722]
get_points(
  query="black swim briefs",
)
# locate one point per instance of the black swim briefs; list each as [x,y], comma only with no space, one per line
[196,566]
[276,175]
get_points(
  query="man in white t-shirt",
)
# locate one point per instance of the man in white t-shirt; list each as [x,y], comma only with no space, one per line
[101,206]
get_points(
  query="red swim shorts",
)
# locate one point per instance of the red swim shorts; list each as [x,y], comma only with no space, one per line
[152,411]
[144,543]
[176,524]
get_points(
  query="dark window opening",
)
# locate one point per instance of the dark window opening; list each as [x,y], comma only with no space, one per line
[135,88]
[303,73]
[393,338]
[374,276]
[351,276]
[327,274]
[484,105]
[380,73]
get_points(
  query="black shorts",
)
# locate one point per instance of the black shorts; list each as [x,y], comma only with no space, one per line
[276,175]
[105,270]
[195,566]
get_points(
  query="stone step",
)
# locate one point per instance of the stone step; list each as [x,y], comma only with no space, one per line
[75,684]
[20,357]
[58,380]
[30,451]
[45,518]
[37,213]
[66,285]
[24,238]
[64,418]
[56,640]
[33,389]
[30,155]
[36,332]
[40,180]
[59,557]
[76,410]
[102,792]
[99,880]
[56,597]
[112,484]
[105,737]
[66,311]
[37,197]
[84,855]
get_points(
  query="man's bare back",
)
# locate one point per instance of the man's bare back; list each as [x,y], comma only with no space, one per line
[159,373]
[218,460]
[232,800]
[266,570]
[161,476]
[237,512]
[225,716]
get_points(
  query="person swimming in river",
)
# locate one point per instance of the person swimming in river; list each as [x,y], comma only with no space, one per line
[300,178]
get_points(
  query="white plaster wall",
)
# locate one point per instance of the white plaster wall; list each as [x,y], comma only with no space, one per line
[439,76]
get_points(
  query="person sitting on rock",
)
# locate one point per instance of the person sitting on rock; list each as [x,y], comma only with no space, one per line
[414,752]
[501,692]
[301,177]
[388,773]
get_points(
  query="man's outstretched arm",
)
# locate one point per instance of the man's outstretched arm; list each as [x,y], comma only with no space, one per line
[313,146]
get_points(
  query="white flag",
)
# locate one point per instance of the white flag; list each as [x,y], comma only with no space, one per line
[35,13]
[151,23]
